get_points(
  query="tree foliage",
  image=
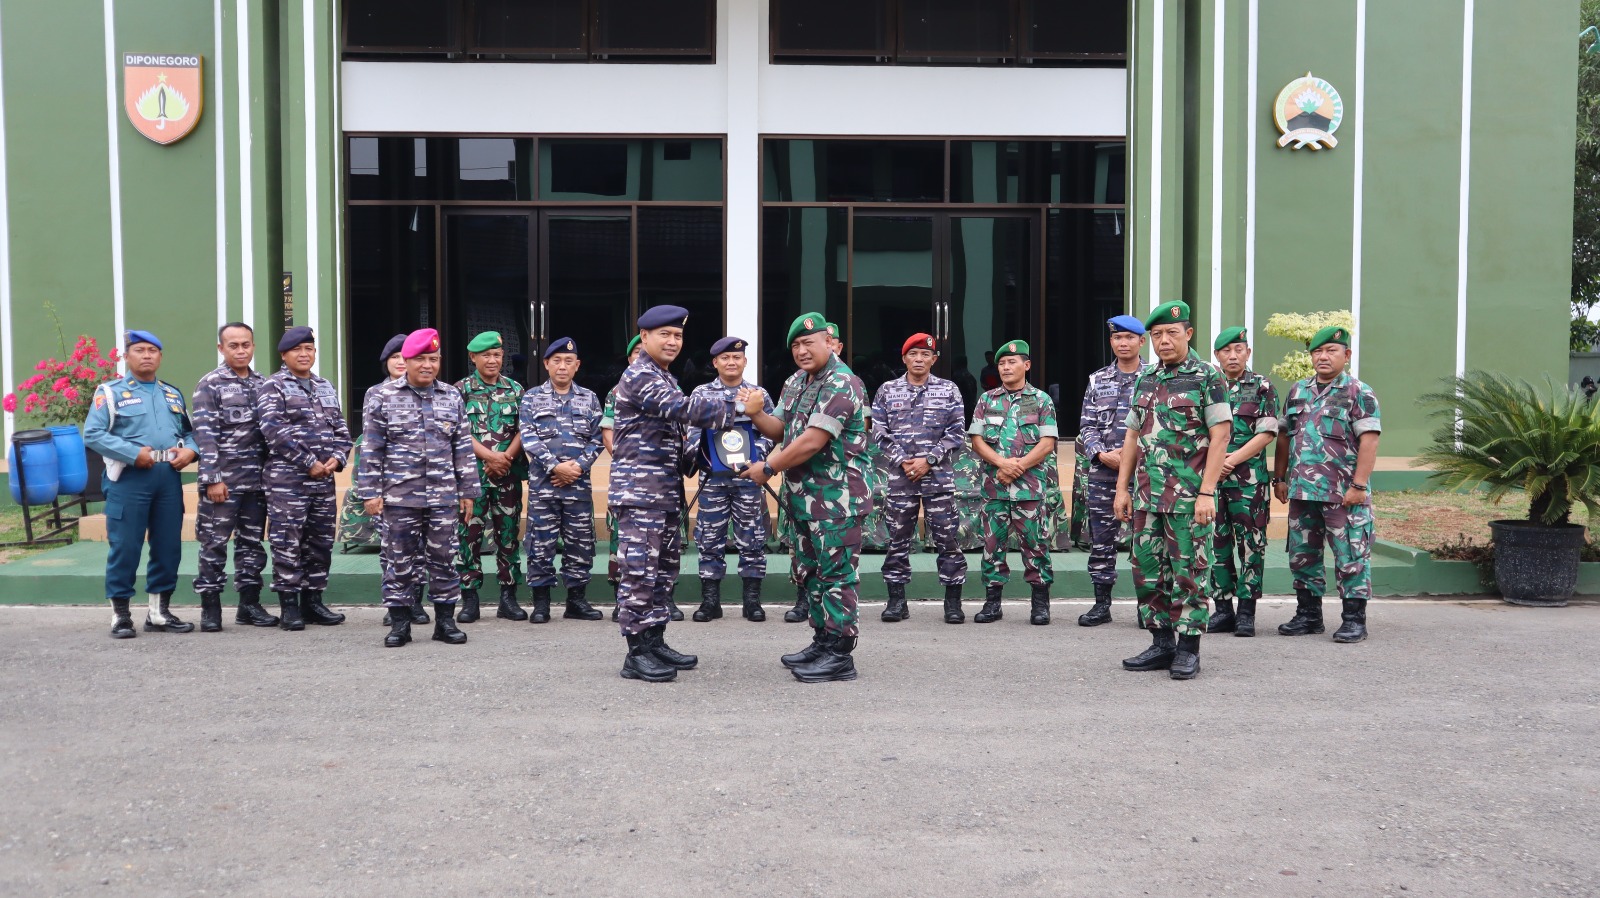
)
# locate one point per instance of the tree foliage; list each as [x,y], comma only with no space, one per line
[1586,189]
[1300,328]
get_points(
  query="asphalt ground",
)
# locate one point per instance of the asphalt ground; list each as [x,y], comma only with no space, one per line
[1452,754]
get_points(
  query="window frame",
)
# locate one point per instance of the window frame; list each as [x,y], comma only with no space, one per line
[463,48]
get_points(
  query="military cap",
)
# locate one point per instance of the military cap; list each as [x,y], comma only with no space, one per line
[632,345]
[132,337]
[1125,324]
[294,336]
[1231,335]
[1333,333]
[419,342]
[833,330]
[1015,347]
[1175,312]
[919,341]
[564,344]
[664,316]
[807,324]
[727,344]
[486,341]
[395,344]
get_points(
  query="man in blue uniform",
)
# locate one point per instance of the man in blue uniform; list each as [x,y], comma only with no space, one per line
[140,425]
[1102,429]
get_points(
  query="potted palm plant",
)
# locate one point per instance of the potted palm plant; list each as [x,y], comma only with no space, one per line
[1505,435]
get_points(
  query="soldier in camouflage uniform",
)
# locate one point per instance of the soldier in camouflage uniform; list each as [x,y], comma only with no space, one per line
[418,471]
[1080,500]
[233,506]
[823,424]
[356,527]
[725,500]
[493,403]
[608,417]
[560,423]
[917,423]
[1014,432]
[308,442]
[1244,504]
[648,464]
[1178,429]
[1323,469]
[1101,430]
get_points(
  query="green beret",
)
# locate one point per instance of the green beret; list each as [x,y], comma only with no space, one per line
[1333,333]
[1015,347]
[1231,335]
[833,330]
[632,344]
[485,341]
[1175,312]
[806,325]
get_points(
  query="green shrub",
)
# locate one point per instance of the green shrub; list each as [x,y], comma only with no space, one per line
[1300,328]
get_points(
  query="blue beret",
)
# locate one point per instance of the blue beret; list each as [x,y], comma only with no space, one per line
[564,344]
[664,316]
[132,337]
[294,336]
[727,344]
[1126,324]
[391,347]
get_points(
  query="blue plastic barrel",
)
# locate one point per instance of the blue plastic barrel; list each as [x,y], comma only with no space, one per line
[72,466]
[32,458]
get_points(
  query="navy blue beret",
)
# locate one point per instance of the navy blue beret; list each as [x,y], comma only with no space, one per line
[727,344]
[294,336]
[564,344]
[392,347]
[664,316]
[132,337]
[1126,324]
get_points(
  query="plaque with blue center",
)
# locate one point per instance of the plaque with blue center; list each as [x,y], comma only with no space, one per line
[724,453]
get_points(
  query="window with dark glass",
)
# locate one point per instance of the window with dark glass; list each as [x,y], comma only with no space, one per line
[861,171]
[936,30]
[649,27]
[556,27]
[830,27]
[933,32]
[592,30]
[1087,29]
[401,25]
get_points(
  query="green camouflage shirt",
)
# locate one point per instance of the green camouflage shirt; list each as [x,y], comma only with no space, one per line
[1254,401]
[1324,424]
[1012,423]
[1173,410]
[492,416]
[831,484]
[608,414]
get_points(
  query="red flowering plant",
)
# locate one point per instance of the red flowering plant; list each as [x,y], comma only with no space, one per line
[60,393]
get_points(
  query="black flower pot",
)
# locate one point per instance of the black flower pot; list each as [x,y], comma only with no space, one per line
[1536,565]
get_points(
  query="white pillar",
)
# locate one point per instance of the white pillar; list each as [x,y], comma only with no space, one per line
[745,46]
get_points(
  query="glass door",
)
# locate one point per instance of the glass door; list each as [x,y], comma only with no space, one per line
[895,290]
[488,276]
[991,296]
[585,292]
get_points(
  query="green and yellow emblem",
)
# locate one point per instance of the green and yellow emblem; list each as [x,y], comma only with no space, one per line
[1308,110]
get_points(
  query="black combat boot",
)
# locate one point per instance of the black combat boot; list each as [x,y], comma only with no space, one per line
[419,609]
[541,605]
[643,664]
[399,627]
[1041,606]
[1307,615]
[952,604]
[289,611]
[710,601]
[753,612]
[444,624]
[1186,663]
[509,609]
[656,636]
[210,612]
[1246,625]
[1223,620]
[673,610]
[312,609]
[121,620]
[896,610]
[578,607]
[1101,612]
[160,618]
[806,655]
[1158,656]
[801,610]
[833,664]
[991,604]
[1354,628]
[467,610]
[250,610]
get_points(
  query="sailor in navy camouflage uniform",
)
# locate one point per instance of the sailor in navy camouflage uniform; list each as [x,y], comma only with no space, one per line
[919,424]
[649,461]
[418,470]
[560,425]
[1102,429]
[233,504]
[308,442]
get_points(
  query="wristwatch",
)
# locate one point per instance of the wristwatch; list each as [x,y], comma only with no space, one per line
[932,462]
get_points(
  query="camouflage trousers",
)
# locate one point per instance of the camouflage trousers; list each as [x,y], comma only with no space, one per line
[1241,528]
[826,566]
[944,526]
[1347,530]
[300,529]
[242,520]
[1026,521]
[649,552]
[743,504]
[492,527]
[554,521]
[419,547]
[1105,531]
[1172,571]
[1079,531]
